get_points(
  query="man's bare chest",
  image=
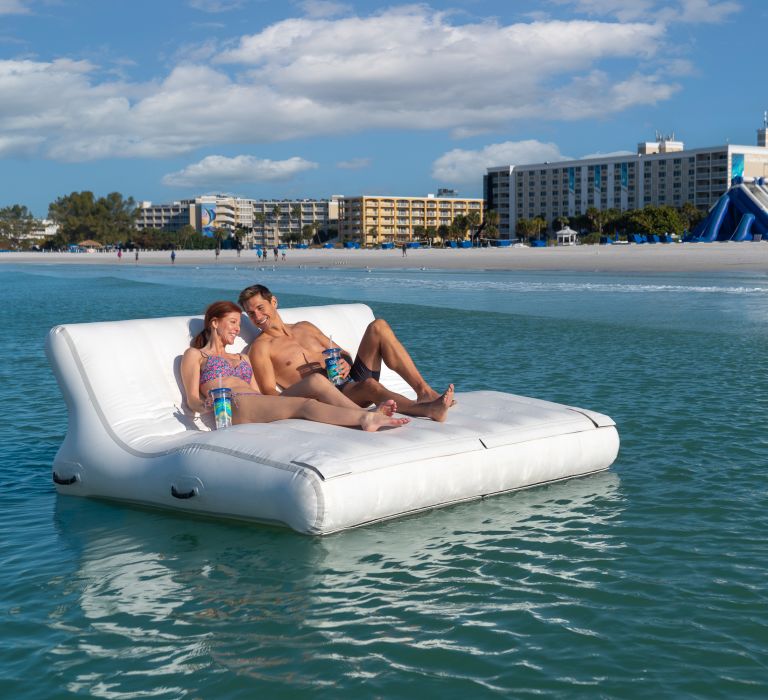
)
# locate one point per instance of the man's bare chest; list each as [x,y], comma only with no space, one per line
[297,352]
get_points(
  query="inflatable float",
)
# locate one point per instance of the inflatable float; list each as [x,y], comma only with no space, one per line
[130,438]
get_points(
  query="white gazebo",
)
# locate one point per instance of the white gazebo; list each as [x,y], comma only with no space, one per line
[566,236]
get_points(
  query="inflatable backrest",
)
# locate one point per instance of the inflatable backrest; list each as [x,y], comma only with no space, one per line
[125,375]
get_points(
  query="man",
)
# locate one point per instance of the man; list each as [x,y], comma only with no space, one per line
[284,353]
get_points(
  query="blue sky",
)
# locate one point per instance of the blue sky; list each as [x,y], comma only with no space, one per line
[173,98]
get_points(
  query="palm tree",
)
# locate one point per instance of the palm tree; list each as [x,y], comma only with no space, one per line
[294,213]
[459,227]
[491,223]
[443,231]
[276,217]
[473,220]
[525,229]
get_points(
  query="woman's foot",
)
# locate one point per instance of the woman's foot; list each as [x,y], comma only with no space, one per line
[373,420]
[387,407]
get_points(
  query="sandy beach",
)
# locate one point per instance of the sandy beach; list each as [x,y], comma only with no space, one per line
[688,257]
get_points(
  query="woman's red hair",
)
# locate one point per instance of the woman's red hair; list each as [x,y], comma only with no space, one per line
[219,309]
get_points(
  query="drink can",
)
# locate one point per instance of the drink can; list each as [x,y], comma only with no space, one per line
[222,406]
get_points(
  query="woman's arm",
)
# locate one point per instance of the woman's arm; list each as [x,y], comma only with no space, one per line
[254,384]
[190,378]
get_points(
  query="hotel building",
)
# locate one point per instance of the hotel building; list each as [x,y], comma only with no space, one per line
[378,219]
[661,172]
[266,222]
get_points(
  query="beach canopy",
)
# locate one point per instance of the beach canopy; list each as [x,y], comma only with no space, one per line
[90,244]
[566,236]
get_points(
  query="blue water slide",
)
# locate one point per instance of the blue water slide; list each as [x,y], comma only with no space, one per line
[747,203]
[743,232]
[714,221]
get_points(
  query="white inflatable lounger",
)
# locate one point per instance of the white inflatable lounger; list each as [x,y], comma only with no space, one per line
[130,437]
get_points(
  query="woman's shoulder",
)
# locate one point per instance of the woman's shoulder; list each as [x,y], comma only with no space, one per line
[192,353]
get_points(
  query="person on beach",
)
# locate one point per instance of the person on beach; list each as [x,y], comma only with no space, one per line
[119,253]
[173,257]
[206,365]
[405,250]
[136,259]
[284,353]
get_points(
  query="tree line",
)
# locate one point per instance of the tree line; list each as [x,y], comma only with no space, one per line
[111,220]
[598,222]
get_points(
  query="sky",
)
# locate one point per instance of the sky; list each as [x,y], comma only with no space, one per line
[170,99]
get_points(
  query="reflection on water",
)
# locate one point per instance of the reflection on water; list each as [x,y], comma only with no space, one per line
[167,595]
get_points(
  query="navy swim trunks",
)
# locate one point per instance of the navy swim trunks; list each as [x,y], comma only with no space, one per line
[359,371]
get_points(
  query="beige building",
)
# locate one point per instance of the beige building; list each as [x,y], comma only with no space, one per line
[373,220]
[266,222]
[662,172]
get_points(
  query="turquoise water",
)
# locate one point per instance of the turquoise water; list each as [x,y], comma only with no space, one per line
[645,581]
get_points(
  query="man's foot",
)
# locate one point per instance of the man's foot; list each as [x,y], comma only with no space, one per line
[428,394]
[438,408]
[373,420]
[387,407]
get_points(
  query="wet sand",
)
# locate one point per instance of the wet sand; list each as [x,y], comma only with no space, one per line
[686,257]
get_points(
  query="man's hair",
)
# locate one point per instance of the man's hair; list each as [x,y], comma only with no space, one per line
[252,291]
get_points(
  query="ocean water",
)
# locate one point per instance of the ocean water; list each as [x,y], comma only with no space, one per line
[649,580]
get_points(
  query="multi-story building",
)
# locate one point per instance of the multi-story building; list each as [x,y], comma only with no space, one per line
[166,217]
[661,172]
[276,221]
[265,222]
[379,219]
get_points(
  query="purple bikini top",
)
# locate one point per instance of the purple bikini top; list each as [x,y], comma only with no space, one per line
[217,366]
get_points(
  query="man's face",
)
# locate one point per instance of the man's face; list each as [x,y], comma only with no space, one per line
[260,311]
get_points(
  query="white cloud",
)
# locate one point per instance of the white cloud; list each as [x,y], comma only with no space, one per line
[13,7]
[707,11]
[354,164]
[464,166]
[215,6]
[403,68]
[324,8]
[695,11]
[11,147]
[218,170]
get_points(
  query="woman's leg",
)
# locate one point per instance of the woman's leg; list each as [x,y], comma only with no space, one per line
[317,386]
[265,409]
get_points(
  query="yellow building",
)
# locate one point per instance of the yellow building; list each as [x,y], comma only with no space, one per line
[373,220]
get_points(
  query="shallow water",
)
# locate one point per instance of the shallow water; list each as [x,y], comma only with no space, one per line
[645,581]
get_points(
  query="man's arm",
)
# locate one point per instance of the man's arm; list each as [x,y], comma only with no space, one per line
[263,371]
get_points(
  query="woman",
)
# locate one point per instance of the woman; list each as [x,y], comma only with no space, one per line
[207,365]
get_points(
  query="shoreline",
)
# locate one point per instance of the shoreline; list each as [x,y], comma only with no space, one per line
[666,258]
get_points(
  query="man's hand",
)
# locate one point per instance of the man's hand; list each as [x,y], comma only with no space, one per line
[343,367]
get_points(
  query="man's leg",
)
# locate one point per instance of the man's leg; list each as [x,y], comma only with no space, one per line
[372,391]
[380,343]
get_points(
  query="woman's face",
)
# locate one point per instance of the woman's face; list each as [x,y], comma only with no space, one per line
[227,327]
